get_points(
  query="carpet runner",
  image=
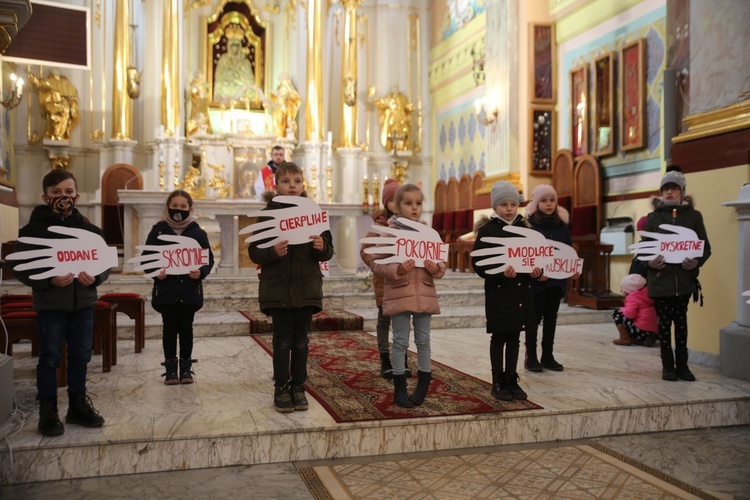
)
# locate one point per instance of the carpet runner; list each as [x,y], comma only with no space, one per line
[344,376]
[330,320]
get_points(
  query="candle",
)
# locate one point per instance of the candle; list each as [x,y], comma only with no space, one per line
[330,138]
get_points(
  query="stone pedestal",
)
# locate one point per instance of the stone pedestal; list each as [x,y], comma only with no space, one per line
[734,340]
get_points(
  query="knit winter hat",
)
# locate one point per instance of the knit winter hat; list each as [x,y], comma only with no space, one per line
[632,283]
[504,191]
[541,191]
[674,176]
[389,190]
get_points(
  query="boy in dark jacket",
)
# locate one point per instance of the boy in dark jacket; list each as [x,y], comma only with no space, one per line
[65,309]
[671,285]
[291,291]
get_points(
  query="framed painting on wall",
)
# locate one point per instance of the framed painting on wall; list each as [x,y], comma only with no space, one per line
[541,139]
[632,92]
[604,90]
[542,50]
[579,110]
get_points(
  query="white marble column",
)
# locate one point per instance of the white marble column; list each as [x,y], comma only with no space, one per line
[347,188]
[228,264]
[734,340]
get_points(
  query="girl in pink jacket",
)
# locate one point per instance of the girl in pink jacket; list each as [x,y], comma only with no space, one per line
[636,320]
[409,293]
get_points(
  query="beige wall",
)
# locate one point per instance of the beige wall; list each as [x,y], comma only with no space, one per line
[439,11]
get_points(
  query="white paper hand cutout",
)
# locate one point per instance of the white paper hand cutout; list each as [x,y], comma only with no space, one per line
[85,251]
[424,243]
[682,244]
[746,294]
[531,249]
[185,255]
[295,224]
[565,262]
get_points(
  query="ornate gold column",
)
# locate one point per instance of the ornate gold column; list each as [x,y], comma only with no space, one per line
[170,71]
[349,75]
[314,97]
[122,106]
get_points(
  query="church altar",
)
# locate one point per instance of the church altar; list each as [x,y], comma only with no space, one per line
[143,209]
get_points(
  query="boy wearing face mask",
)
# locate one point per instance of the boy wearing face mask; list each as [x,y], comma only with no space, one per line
[178,297]
[65,309]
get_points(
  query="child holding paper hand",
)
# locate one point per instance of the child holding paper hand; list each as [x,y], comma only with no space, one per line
[65,309]
[546,216]
[409,293]
[178,297]
[509,300]
[671,285]
[291,291]
[383,328]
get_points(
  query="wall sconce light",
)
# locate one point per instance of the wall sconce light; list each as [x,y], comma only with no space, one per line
[477,68]
[16,92]
[486,113]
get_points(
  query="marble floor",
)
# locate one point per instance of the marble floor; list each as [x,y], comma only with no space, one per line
[226,419]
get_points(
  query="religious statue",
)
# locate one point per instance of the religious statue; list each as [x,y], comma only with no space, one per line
[394,112]
[234,78]
[58,100]
[134,82]
[198,122]
[286,102]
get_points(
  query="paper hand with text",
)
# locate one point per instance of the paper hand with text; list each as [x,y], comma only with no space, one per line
[84,251]
[295,224]
[183,256]
[565,262]
[683,243]
[423,243]
[746,294]
[529,250]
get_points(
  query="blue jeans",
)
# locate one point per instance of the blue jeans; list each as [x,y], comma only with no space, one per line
[401,329]
[77,330]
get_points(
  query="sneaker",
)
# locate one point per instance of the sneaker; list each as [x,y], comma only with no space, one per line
[515,390]
[299,401]
[282,399]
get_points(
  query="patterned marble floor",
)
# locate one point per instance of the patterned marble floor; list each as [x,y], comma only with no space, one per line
[233,394]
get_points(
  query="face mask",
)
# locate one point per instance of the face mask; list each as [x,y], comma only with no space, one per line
[670,203]
[178,215]
[62,205]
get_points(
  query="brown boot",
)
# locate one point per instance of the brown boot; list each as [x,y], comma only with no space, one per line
[624,336]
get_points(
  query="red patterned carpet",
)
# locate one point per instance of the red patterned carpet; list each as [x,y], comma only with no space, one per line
[344,376]
[325,321]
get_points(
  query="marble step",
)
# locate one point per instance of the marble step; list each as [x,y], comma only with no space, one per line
[232,323]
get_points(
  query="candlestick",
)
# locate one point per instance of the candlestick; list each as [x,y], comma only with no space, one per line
[329,184]
[176,174]
[366,194]
[375,192]
[330,138]
[162,167]
[314,183]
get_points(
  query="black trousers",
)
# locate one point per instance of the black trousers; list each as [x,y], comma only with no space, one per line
[290,327]
[546,306]
[177,320]
[507,342]
[672,310]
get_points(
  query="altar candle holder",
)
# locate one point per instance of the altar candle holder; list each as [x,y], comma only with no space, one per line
[375,193]
[366,195]
[162,167]
[314,183]
[329,183]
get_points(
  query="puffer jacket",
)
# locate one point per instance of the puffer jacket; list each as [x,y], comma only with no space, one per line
[673,280]
[180,289]
[47,297]
[556,229]
[414,291]
[508,302]
[640,308]
[294,280]
[378,282]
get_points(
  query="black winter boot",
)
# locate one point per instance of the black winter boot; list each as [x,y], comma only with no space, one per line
[667,364]
[186,371]
[548,360]
[399,392]
[683,372]
[423,385]
[49,421]
[82,412]
[282,398]
[531,362]
[407,371]
[299,401]
[170,374]
[511,380]
[500,387]
[386,369]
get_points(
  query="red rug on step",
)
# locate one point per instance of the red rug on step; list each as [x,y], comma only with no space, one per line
[329,320]
[344,376]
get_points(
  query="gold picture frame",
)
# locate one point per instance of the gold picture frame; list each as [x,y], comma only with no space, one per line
[579,110]
[542,139]
[604,119]
[632,109]
[542,88]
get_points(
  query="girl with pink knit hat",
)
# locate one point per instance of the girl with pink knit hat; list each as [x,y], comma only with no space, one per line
[545,215]
[636,319]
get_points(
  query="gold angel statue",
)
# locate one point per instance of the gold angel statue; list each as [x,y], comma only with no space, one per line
[286,102]
[394,113]
[58,102]
[198,121]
